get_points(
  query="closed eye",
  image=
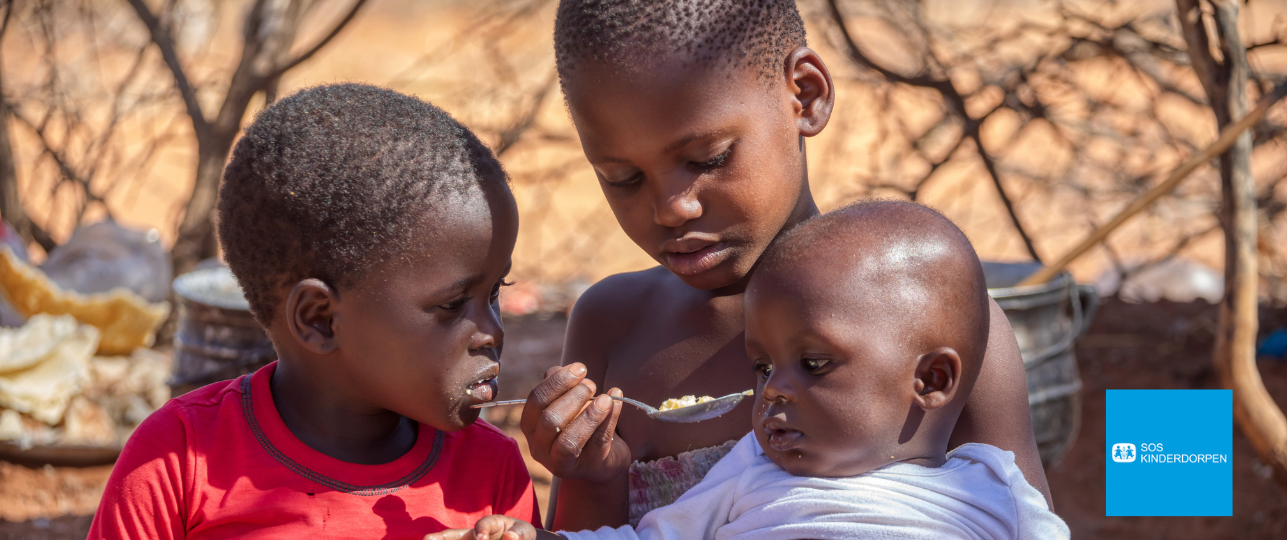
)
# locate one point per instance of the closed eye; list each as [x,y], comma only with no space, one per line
[627,182]
[713,163]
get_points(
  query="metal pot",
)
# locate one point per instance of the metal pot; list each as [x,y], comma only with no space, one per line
[217,337]
[1046,318]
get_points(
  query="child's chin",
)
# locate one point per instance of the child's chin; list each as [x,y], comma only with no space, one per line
[798,462]
[454,420]
[718,277]
[463,419]
[795,463]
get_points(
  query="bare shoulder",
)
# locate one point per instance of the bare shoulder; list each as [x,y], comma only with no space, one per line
[996,412]
[618,296]
[606,312]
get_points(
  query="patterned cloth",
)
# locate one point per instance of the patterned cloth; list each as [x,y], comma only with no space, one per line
[658,483]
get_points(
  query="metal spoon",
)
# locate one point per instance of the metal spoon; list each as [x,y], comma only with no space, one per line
[683,415]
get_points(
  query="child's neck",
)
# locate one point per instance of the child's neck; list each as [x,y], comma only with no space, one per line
[332,424]
[927,445]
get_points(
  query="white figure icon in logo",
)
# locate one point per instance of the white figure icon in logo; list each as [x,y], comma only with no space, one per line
[1123,452]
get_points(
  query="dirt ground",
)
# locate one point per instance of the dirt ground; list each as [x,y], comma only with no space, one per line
[1163,345]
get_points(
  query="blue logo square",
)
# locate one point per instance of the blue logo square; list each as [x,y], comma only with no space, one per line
[1169,453]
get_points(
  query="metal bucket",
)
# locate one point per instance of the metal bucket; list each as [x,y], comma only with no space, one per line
[217,338]
[1046,319]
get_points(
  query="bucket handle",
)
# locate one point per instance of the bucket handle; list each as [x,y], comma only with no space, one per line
[1088,298]
[1085,302]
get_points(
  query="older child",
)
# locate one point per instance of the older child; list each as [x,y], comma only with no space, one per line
[867,327]
[693,114]
[371,233]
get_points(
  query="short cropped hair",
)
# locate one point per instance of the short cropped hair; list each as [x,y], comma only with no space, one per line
[335,179]
[754,34]
[887,239]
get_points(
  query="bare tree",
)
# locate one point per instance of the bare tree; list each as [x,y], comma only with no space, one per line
[1105,95]
[1225,81]
[10,203]
[269,32]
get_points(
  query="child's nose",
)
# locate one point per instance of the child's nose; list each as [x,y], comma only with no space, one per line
[778,389]
[489,332]
[677,203]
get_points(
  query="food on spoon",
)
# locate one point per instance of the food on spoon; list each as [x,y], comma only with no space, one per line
[685,401]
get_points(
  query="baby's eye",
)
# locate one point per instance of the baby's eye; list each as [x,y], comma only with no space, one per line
[764,370]
[813,365]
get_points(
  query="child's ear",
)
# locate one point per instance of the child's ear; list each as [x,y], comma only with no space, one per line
[309,311]
[811,88]
[938,375]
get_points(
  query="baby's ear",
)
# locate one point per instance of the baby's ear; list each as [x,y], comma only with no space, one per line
[938,375]
[310,309]
[810,84]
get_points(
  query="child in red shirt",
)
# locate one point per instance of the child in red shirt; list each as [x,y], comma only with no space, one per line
[371,234]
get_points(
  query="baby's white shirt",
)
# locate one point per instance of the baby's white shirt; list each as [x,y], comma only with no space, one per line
[978,494]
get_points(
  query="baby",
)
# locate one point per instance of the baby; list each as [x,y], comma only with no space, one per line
[866,327]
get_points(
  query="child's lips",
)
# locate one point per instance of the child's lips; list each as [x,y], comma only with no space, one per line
[483,390]
[696,259]
[784,440]
[781,436]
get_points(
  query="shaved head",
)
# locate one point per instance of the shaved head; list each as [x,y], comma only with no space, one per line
[906,259]
[867,327]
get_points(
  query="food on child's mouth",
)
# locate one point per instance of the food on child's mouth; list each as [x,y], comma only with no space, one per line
[482,389]
[686,401]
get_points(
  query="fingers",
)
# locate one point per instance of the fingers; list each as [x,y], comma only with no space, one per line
[555,384]
[558,381]
[520,530]
[544,418]
[503,528]
[452,534]
[570,443]
[556,418]
[493,526]
[601,441]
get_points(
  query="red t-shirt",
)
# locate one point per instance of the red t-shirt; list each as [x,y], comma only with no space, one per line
[219,463]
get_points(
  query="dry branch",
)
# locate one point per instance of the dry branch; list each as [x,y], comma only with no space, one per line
[264,59]
[1235,350]
[1227,139]
[526,120]
[948,90]
[308,53]
[160,35]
